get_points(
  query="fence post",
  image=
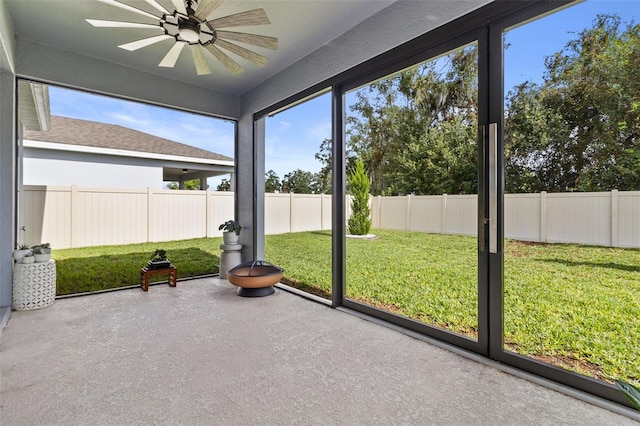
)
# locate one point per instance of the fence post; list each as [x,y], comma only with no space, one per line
[443,219]
[75,221]
[543,216]
[407,216]
[149,198]
[322,211]
[614,214]
[290,211]
[208,212]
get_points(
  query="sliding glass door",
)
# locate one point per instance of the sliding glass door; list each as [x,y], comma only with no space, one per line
[572,201]
[486,188]
[412,139]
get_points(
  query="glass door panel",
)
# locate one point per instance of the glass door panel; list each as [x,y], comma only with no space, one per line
[297,199]
[572,176]
[412,153]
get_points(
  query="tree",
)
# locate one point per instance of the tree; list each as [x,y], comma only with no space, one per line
[416,131]
[298,181]
[322,179]
[271,182]
[358,179]
[224,185]
[579,129]
[193,185]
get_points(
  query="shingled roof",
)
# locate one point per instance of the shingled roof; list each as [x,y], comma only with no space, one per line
[90,133]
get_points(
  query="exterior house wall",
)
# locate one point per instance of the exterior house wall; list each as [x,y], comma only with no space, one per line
[63,168]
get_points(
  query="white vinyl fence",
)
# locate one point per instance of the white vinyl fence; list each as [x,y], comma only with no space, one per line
[592,218]
[79,217]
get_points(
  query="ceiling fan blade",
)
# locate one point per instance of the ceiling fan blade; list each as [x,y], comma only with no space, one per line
[254,39]
[179,5]
[129,8]
[135,45]
[250,17]
[119,24]
[172,55]
[199,60]
[205,7]
[230,64]
[257,59]
[158,6]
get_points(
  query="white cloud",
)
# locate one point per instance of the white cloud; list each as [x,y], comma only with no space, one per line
[320,131]
[283,126]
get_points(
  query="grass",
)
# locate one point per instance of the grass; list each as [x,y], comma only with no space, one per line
[93,269]
[570,305]
[579,305]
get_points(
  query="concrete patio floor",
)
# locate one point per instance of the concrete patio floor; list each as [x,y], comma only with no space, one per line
[199,354]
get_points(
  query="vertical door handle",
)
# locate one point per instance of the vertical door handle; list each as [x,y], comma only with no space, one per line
[493,188]
[482,206]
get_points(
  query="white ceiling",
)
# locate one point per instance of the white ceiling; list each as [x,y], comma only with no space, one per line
[302,26]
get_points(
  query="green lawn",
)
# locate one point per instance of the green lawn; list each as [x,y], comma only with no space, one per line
[575,306]
[92,269]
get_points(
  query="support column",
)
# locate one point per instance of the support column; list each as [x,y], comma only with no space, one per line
[249,184]
[7,191]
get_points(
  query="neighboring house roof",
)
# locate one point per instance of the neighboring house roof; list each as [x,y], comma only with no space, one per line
[73,131]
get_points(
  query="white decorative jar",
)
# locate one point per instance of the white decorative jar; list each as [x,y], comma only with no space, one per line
[230,237]
[44,257]
[34,285]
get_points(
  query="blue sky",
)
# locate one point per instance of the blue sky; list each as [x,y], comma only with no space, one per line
[294,136]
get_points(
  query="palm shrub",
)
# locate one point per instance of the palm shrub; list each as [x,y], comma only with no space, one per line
[358,179]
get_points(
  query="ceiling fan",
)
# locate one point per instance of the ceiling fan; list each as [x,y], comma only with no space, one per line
[190,24]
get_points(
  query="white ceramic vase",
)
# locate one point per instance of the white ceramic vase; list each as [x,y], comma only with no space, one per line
[230,237]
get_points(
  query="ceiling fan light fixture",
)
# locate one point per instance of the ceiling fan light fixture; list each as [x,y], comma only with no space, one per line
[189,32]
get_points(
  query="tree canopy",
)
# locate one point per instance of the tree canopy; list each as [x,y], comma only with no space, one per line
[224,185]
[192,185]
[271,182]
[416,130]
[578,129]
